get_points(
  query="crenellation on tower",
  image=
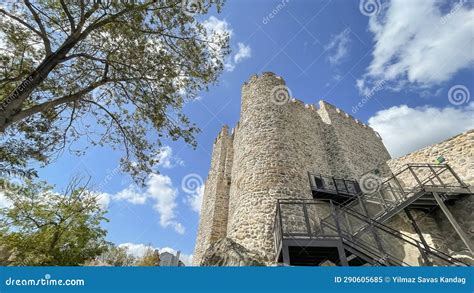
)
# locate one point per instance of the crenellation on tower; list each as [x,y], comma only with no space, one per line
[341,114]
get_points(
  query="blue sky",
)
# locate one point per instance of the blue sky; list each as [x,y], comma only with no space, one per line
[406,69]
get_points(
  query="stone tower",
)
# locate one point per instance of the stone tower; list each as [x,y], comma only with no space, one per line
[276,143]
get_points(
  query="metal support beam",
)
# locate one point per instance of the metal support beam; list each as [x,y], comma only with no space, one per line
[382,199]
[342,255]
[436,175]
[456,176]
[420,235]
[371,227]
[453,222]
[414,175]
[286,255]
[402,191]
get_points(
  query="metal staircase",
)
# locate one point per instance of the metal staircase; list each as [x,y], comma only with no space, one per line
[415,186]
[344,224]
[379,241]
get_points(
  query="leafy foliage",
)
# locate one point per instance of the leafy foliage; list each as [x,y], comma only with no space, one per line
[45,228]
[113,74]
[114,256]
[150,258]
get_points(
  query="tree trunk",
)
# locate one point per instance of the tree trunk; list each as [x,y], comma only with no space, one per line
[13,102]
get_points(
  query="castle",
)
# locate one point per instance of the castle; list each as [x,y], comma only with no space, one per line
[283,150]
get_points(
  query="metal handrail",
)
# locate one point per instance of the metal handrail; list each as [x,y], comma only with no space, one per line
[402,194]
[360,244]
[405,194]
[336,213]
[402,236]
[406,191]
[351,211]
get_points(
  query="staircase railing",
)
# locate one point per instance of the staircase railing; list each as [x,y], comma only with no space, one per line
[391,245]
[391,194]
[356,222]
[301,219]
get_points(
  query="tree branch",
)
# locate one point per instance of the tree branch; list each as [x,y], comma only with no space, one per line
[65,99]
[84,55]
[71,120]
[44,35]
[24,23]
[119,125]
[69,16]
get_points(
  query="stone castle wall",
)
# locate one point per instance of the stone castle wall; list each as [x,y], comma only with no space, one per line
[458,152]
[359,145]
[274,146]
[213,219]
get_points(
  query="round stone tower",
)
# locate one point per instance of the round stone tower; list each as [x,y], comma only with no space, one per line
[277,141]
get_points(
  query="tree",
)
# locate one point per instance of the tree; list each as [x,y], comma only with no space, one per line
[45,228]
[4,256]
[150,258]
[104,71]
[116,256]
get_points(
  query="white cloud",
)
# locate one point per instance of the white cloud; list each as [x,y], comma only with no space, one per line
[338,47]
[243,52]
[166,159]
[229,66]
[195,200]
[138,250]
[160,190]
[218,30]
[404,129]
[131,194]
[104,200]
[418,45]
[215,26]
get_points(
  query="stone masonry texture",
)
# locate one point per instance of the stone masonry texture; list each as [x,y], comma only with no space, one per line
[268,155]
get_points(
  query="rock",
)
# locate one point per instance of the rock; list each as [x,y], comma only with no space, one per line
[464,256]
[327,263]
[226,252]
